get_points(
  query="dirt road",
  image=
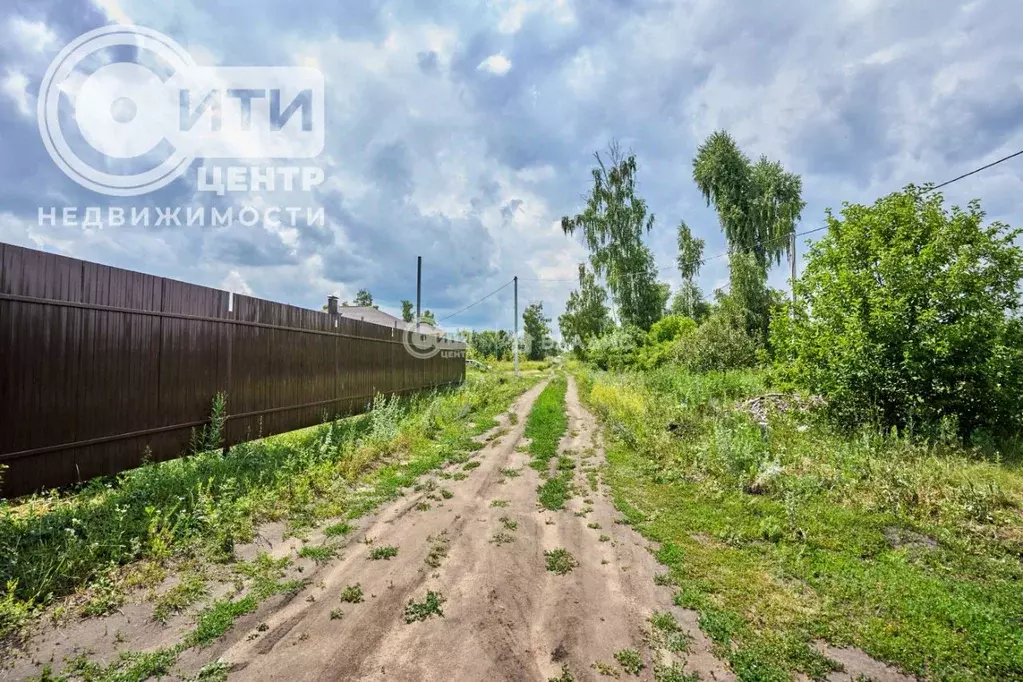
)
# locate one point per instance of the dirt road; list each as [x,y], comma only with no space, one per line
[482,551]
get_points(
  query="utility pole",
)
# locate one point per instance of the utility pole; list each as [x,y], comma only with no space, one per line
[792,267]
[419,289]
[516,337]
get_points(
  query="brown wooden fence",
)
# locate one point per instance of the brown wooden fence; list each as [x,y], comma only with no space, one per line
[97,364]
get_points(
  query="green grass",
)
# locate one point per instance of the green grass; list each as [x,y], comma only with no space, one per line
[352,594]
[189,590]
[630,660]
[605,669]
[386,552]
[429,607]
[321,554]
[906,549]
[502,538]
[560,561]
[546,425]
[217,619]
[128,667]
[554,492]
[675,673]
[338,529]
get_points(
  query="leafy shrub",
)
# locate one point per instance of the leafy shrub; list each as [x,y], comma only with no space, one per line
[670,328]
[907,318]
[616,349]
[720,343]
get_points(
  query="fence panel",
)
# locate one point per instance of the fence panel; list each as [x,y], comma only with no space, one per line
[101,367]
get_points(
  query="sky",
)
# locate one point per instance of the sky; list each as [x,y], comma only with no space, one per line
[463,131]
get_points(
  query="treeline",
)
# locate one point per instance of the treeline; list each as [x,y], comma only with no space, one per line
[535,344]
[906,314]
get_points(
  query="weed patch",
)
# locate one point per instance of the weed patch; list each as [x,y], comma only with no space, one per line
[420,611]
[386,552]
[630,660]
[502,538]
[321,554]
[560,561]
[189,590]
[352,594]
[438,549]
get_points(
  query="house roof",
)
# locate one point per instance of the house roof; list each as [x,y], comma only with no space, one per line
[375,316]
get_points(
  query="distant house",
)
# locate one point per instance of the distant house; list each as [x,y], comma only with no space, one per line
[375,316]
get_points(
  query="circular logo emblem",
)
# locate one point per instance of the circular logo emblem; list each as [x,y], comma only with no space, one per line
[123,110]
[423,345]
[419,344]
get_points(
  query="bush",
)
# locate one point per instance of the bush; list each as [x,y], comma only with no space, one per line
[670,328]
[661,341]
[720,343]
[617,349]
[907,317]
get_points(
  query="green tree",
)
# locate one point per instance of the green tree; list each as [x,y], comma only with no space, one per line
[407,312]
[908,315]
[612,225]
[690,259]
[537,328]
[688,301]
[586,314]
[364,299]
[749,300]
[428,318]
[758,206]
[491,344]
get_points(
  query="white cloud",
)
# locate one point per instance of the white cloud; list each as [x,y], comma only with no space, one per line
[235,283]
[113,10]
[31,36]
[514,13]
[15,86]
[496,64]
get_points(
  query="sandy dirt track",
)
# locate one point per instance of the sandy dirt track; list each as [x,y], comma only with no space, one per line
[505,616]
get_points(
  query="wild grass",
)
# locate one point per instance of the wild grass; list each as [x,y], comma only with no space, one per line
[201,506]
[429,607]
[352,594]
[546,423]
[560,561]
[781,535]
[189,590]
[630,660]
[545,426]
[386,552]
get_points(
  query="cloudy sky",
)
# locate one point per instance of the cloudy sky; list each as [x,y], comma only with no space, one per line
[463,132]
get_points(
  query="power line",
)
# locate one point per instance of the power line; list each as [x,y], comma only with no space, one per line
[929,189]
[459,312]
[975,171]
